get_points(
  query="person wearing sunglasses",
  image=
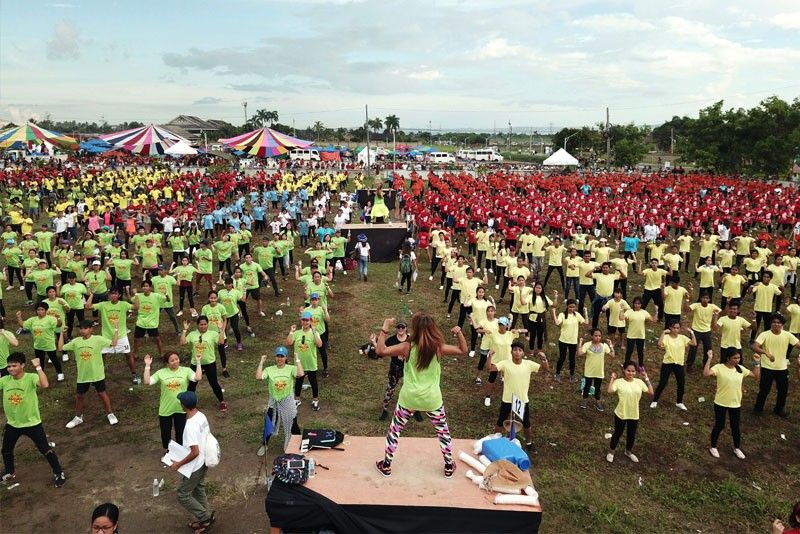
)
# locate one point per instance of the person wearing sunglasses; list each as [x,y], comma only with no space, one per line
[305,342]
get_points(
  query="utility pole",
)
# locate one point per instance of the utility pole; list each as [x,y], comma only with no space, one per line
[430,133]
[244,105]
[530,143]
[366,127]
[672,141]
[508,139]
[608,141]
[294,132]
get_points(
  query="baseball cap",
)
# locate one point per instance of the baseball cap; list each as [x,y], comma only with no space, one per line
[10,241]
[188,399]
[282,351]
[305,315]
[504,321]
[96,262]
[314,295]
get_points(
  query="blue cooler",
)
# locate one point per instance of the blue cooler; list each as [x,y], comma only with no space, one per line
[503,449]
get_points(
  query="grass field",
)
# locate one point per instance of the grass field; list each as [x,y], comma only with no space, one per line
[677,487]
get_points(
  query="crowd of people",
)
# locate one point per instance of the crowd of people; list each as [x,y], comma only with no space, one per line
[525,257]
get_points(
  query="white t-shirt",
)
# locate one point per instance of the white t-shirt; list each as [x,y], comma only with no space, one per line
[70,219]
[275,226]
[339,221]
[194,433]
[61,224]
[363,249]
[169,224]
[724,232]
[650,232]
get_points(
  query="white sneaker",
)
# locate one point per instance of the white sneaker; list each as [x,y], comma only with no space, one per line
[441,287]
[262,314]
[610,457]
[60,377]
[112,419]
[9,287]
[472,354]
[478,270]
[77,420]
[682,406]
[22,288]
[632,457]
[487,401]
[179,313]
[65,357]
[714,452]
[654,404]
[739,454]
[430,279]
[497,286]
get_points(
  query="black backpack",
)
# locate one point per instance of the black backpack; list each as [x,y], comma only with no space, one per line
[290,469]
[320,438]
[405,264]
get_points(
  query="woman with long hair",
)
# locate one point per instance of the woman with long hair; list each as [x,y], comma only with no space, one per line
[105,519]
[728,398]
[537,315]
[421,389]
[570,322]
[629,389]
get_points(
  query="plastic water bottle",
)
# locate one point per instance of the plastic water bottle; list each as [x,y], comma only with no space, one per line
[156,487]
[288,302]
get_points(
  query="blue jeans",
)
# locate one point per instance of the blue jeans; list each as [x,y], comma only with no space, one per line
[574,284]
[363,264]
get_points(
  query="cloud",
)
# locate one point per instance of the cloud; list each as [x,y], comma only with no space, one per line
[425,74]
[787,21]
[64,43]
[500,48]
[614,22]
[207,100]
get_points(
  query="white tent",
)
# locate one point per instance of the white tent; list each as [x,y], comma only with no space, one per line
[560,158]
[373,153]
[181,149]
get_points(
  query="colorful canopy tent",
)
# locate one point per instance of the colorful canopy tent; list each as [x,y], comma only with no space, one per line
[560,158]
[265,143]
[29,132]
[95,146]
[148,140]
[181,149]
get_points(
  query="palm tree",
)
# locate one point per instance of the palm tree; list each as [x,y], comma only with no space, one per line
[392,123]
[318,126]
[263,118]
[375,124]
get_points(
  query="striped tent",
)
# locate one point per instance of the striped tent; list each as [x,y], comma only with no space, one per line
[265,142]
[149,140]
[29,132]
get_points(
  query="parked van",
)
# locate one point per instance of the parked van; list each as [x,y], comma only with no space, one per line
[441,157]
[487,154]
[304,154]
[466,154]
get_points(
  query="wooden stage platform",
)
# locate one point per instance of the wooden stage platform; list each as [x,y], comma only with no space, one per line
[416,498]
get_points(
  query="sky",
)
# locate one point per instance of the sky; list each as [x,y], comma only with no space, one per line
[443,64]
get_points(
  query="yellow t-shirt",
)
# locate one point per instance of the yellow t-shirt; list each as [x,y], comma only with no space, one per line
[707,247]
[673,261]
[673,299]
[595,360]
[657,252]
[675,348]
[488,327]
[743,243]
[791,262]
[537,306]
[601,254]
[753,265]
[482,239]
[778,273]
[702,315]
[652,278]
[615,307]
[763,253]
[685,243]
[478,310]
[516,378]
[605,283]
[731,331]
[629,394]
[621,265]
[732,285]
[555,255]
[522,299]
[725,258]
[457,272]
[729,385]
[794,317]
[513,271]
[468,288]
[539,242]
[573,268]
[586,267]
[569,324]
[526,243]
[764,295]
[707,275]
[777,345]
[635,321]
[501,345]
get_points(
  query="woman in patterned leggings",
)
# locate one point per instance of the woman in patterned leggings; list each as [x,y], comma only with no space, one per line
[421,391]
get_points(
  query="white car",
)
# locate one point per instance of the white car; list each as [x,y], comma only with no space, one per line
[441,157]
[304,154]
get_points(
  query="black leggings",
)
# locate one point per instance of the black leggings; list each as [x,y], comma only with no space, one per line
[233,322]
[405,278]
[639,345]
[550,269]
[462,314]
[719,423]
[71,315]
[272,280]
[166,423]
[45,355]
[185,291]
[227,265]
[223,358]
[680,377]
[210,372]
[620,426]
[323,350]
[587,385]
[454,297]
[312,379]
[243,309]
[11,272]
[761,318]
[705,339]
[434,263]
[36,432]
[523,316]
[563,349]
[538,332]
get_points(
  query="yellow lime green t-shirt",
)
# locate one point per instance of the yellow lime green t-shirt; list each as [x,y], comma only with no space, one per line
[675,348]
[516,378]
[701,316]
[729,385]
[629,394]
[595,359]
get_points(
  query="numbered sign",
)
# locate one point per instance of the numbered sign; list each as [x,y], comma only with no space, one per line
[517,407]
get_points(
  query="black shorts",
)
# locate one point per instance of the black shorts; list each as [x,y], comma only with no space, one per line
[139,332]
[83,387]
[123,283]
[484,355]
[44,354]
[461,230]
[255,293]
[505,413]
[616,329]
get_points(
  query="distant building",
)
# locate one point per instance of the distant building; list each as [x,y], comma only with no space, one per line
[192,128]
